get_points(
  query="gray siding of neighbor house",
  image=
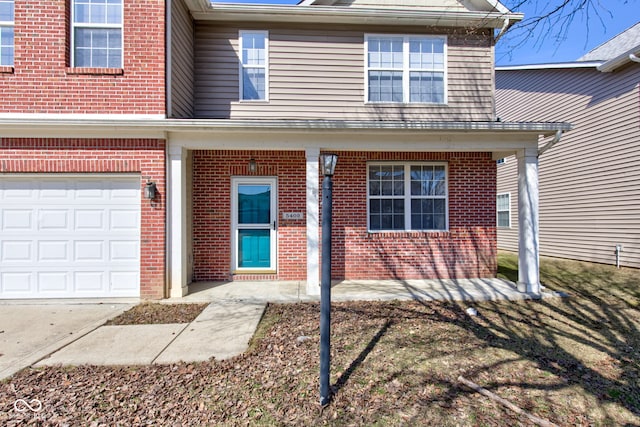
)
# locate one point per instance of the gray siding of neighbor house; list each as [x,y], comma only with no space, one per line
[319,73]
[590,181]
[182,40]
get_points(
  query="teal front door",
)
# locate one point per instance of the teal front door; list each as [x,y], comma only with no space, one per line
[254,224]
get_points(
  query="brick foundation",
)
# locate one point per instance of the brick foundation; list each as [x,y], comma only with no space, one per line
[143,156]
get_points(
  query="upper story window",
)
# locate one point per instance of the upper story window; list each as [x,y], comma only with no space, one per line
[97,33]
[503,208]
[254,65]
[406,69]
[407,196]
[6,33]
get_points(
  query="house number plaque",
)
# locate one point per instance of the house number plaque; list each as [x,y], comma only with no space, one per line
[292,215]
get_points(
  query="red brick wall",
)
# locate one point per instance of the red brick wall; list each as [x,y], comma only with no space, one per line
[144,156]
[212,172]
[468,249]
[42,82]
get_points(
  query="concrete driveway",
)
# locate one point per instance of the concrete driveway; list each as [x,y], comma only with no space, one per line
[32,331]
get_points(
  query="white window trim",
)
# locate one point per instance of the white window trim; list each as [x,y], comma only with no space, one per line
[406,95]
[75,25]
[509,210]
[241,66]
[407,195]
[11,24]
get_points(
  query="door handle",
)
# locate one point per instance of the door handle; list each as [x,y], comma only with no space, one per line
[273,224]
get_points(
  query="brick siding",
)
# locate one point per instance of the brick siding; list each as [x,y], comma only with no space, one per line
[143,156]
[41,80]
[467,249]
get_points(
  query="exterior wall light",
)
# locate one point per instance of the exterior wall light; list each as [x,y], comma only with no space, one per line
[150,190]
[253,166]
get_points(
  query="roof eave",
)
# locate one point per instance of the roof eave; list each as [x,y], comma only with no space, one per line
[347,15]
[224,125]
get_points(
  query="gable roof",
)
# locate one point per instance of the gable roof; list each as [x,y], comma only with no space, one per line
[616,46]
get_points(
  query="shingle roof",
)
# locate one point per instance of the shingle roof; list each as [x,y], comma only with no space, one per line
[623,42]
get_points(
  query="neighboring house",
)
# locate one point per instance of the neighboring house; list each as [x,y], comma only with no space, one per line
[225,110]
[589,181]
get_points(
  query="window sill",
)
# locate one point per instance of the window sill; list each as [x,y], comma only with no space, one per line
[6,69]
[94,71]
[405,104]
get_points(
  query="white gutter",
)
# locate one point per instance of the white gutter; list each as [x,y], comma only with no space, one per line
[551,143]
[550,66]
[619,61]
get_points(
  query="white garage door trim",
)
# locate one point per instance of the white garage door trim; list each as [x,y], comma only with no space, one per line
[69,236]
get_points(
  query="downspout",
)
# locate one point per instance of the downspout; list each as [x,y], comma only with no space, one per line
[167,55]
[168,113]
[633,57]
[551,143]
[503,30]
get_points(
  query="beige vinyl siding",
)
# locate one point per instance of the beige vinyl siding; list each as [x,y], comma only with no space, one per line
[182,39]
[590,181]
[508,236]
[319,73]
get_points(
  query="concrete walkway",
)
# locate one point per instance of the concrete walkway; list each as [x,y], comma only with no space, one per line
[224,328]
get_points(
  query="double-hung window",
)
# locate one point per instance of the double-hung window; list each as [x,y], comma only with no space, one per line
[6,33]
[407,196]
[406,69]
[254,65]
[503,207]
[97,33]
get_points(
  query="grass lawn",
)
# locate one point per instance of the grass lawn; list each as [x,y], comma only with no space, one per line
[572,361]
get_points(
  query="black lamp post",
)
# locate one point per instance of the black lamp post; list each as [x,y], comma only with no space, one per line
[327,166]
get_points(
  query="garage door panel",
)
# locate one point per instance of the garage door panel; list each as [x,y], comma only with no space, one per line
[69,237]
[54,251]
[17,252]
[17,220]
[16,283]
[124,219]
[124,281]
[53,220]
[89,219]
[51,283]
[123,251]
[89,251]
[90,282]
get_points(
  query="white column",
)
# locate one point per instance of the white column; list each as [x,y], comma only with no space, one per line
[528,227]
[313,231]
[177,250]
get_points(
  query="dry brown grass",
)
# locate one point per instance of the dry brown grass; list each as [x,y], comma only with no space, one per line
[573,361]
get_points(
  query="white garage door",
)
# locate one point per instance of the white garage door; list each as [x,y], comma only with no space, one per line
[69,237]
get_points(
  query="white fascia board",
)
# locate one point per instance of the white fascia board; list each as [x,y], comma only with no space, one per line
[359,15]
[550,66]
[618,61]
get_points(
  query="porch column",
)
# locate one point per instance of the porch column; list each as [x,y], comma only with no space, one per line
[528,227]
[313,233]
[177,222]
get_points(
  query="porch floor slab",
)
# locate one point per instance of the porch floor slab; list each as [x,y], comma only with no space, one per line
[363,290]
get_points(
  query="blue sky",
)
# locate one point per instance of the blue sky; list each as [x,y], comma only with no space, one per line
[588,29]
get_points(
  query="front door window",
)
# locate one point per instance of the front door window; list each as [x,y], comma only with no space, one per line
[254,224]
